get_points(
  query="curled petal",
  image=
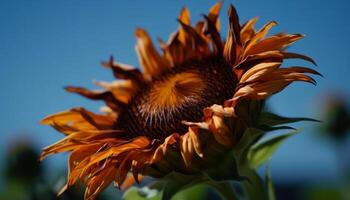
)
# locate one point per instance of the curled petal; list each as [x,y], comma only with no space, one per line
[220,131]
[218,110]
[161,150]
[124,72]
[68,121]
[190,144]
[201,125]
[106,96]
[123,91]
[78,139]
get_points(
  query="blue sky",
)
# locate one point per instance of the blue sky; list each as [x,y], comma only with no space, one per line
[46,45]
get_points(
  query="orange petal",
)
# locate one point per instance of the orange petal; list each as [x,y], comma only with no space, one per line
[257,37]
[197,43]
[161,150]
[187,148]
[214,36]
[106,96]
[214,14]
[70,121]
[274,43]
[267,56]
[124,72]
[152,63]
[233,41]
[220,131]
[248,31]
[259,70]
[98,183]
[288,55]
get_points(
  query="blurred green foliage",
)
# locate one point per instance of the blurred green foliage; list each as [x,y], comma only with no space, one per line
[336,122]
[24,177]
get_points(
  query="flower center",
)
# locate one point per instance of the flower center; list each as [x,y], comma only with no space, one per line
[179,94]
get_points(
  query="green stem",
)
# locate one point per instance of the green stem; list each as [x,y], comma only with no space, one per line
[254,187]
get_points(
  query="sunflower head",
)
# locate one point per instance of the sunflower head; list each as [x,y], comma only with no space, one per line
[189,105]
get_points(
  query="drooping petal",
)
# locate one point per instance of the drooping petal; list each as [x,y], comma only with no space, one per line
[106,96]
[81,138]
[190,144]
[161,150]
[98,183]
[123,91]
[78,119]
[124,72]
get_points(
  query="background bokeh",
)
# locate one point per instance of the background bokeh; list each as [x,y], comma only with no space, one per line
[45,45]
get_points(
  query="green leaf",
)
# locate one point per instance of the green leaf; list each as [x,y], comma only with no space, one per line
[144,193]
[224,189]
[170,189]
[176,182]
[153,191]
[226,170]
[249,138]
[269,185]
[263,151]
[271,119]
[274,128]
[178,186]
[197,192]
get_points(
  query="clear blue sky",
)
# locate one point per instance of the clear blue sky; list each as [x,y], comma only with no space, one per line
[45,45]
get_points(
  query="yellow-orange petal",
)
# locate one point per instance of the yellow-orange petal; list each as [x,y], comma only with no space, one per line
[123,71]
[151,62]
[257,37]
[214,14]
[272,43]
[248,31]
[259,70]
[233,41]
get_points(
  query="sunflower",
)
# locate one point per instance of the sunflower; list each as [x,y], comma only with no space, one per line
[192,101]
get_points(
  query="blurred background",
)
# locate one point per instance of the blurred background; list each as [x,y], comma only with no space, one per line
[46,45]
